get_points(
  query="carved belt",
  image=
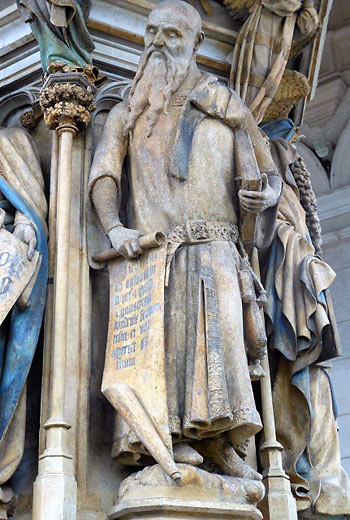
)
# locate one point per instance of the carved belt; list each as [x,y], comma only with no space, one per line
[198,232]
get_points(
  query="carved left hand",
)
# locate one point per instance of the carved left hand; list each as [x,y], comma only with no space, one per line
[26,233]
[257,201]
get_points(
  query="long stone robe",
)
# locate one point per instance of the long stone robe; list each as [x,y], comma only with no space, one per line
[302,338]
[263,48]
[60,29]
[21,185]
[208,385]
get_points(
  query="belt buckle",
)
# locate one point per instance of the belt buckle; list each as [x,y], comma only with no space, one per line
[197,231]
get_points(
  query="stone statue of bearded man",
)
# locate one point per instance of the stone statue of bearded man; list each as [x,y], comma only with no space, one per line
[174,138]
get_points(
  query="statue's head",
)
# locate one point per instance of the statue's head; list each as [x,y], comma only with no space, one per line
[174,28]
[173,36]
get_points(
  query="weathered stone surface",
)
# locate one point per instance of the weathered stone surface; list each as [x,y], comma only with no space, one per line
[180,154]
[151,493]
[174,139]
[172,508]
[23,277]
[153,481]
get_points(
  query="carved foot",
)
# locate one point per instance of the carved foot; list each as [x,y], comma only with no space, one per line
[227,460]
[153,494]
[8,502]
[242,449]
[184,453]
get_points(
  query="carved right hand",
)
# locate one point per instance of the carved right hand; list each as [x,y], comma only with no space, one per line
[125,241]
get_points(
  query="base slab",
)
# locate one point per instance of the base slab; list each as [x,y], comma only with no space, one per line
[174,508]
[151,494]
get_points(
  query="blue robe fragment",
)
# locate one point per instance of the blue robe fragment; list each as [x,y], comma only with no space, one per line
[17,352]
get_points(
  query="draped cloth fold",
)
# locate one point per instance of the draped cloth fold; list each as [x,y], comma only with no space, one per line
[297,280]
[302,335]
[21,184]
[263,47]
[208,386]
[60,29]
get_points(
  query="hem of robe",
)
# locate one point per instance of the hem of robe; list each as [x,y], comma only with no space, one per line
[243,424]
[223,408]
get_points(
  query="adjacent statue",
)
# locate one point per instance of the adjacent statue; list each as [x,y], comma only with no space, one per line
[274,31]
[301,328]
[168,160]
[23,281]
[302,338]
[60,29]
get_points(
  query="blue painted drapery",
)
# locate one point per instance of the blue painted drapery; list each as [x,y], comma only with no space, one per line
[17,352]
[284,339]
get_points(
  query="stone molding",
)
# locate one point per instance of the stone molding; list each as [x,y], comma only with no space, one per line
[175,508]
[334,213]
[28,98]
[118,29]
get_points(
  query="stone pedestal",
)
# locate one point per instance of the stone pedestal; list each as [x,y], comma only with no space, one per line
[175,508]
[151,494]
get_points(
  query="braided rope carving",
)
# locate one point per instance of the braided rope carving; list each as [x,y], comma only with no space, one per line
[308,202]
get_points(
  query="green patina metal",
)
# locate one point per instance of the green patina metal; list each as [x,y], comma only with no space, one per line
[59,26]
[336,517]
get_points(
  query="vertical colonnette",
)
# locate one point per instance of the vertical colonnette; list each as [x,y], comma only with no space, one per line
[67,101]
[278,502]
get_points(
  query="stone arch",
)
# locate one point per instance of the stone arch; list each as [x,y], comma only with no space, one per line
[340,171]
[319,178]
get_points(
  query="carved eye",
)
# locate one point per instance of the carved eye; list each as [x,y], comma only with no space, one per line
[173,35]
[151,30]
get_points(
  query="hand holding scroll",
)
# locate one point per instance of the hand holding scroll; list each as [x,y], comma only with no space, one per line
[126,241]
[145,242]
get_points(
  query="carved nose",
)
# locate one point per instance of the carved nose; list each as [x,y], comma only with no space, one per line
[158,41]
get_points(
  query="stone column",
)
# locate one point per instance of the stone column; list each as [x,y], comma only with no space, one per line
[278,502]
[67,100]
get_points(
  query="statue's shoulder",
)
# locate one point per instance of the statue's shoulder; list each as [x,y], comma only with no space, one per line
[215,85]
[116,119]
[13,132]
[218,100]
[119,111]
[17,138]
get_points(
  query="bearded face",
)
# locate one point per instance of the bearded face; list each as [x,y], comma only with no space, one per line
[170,45]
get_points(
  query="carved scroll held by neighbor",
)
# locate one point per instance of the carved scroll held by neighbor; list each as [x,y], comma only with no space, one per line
[250,179]
[16,271]
[135,362]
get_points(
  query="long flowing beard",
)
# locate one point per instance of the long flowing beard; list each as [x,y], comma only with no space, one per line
[158,76]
